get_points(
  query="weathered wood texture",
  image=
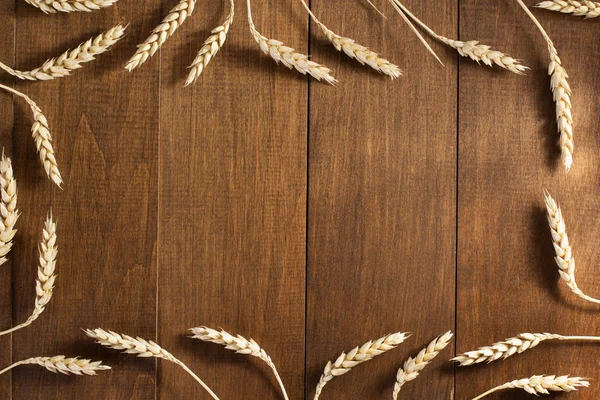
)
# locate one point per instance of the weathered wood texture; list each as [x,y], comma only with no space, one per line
[308,217]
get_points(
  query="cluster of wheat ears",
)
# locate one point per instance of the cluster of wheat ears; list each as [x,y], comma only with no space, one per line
[71,60]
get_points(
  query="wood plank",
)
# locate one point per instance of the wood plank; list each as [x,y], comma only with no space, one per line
[105,126]
[507,280]
[7,53]
[382,180]
[233,205]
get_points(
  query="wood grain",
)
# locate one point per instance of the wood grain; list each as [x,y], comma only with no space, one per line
[381,250]
[233,205]
[507,280]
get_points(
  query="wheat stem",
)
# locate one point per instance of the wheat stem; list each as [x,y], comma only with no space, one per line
[8,207]
[210,47]
[354,50]
[176,16]
[240,345]
[63,365]
[67,6]
[541,384]
[579,8]
[71,60]
[287,55]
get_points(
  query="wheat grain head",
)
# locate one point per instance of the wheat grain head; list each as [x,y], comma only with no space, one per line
[63,365]
[8,207]
[541,384]
[579,8]
[67,6]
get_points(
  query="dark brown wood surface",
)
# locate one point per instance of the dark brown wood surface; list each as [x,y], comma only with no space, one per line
[308,217]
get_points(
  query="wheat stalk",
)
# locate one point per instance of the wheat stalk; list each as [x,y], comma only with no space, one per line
[67,366]
[511,346]
[210,47]
[8,207]
[412,366]
[354,50]
[579,8]
[142,348]
[564,254]
[541,384]
[240,345]
[561,92]
[71,60]
[472,49]
[67,6]
[42,137]
[176,16]
[346,361]
[288,56]
[44,284]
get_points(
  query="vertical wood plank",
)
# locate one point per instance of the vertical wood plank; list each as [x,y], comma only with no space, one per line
[382,180]
[105,127]
[507,280]
[7,47]
[233,205]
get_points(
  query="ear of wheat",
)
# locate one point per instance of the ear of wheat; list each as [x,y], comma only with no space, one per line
[210,47]
[579,8]
[561,92]
[358,355]
[511,346]
[564,254]
[71,60]
[8,207]
[44,284]
[541,384]
[42,137]
[161,33]
[354,50]
[63,365]
[472,49]
[67,6]
[240,345]
[413,366]
[288,56]
[142,348]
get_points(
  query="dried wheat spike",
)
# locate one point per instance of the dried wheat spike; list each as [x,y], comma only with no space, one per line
[140,347]
[541,384]
[561,92]
[240,345]
[44,284]
[413,366]
[66,366]
[67,6]
[8,207]
[287,56]
[473,49]
[71,60]
[564,255]
[354,50]
[42,137]
[346,361]
[210,47]
[161,33]
[579,8]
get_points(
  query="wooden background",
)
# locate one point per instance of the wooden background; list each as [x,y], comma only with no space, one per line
[308,217]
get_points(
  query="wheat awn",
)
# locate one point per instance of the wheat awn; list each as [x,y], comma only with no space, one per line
[8,207]
[541,384]
[44,284]
[346,361]
[66,366]
[142,348]
[288,56]
[579,8]
[354,50]
[412,366]
[176,16]
[71,60]
[67,6]
[240,345]
[210,47]
[42,138]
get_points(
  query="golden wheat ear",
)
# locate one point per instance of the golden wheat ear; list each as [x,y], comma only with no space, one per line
[579,8]
[541,384]
[67,6]
[63,365]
